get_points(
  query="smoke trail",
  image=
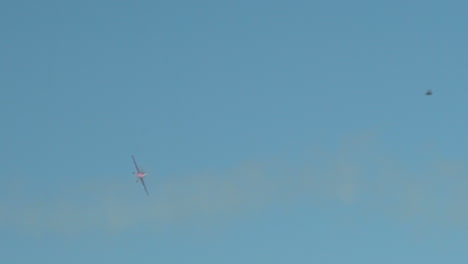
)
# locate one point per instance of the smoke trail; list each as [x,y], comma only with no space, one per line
[364,177]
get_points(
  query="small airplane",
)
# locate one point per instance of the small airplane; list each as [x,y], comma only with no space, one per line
[429,92]
[140,174]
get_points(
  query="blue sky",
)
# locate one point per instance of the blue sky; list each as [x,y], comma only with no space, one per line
[274,131]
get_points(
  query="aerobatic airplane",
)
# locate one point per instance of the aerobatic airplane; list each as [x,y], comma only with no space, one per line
[140,174]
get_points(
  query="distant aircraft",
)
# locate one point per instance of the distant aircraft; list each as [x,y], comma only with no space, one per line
[429,92]
[140,174]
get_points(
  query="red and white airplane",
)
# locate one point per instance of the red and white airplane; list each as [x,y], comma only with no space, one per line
[140,174]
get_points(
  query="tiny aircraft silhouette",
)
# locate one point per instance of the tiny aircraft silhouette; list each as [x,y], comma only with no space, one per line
[429,92]
[140,174]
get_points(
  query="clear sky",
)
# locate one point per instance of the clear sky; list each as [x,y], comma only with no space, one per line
[273,131]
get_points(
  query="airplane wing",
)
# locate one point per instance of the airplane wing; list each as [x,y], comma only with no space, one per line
[144,186]
[136,166]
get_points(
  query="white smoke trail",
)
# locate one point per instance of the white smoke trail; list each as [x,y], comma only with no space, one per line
[435,194]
